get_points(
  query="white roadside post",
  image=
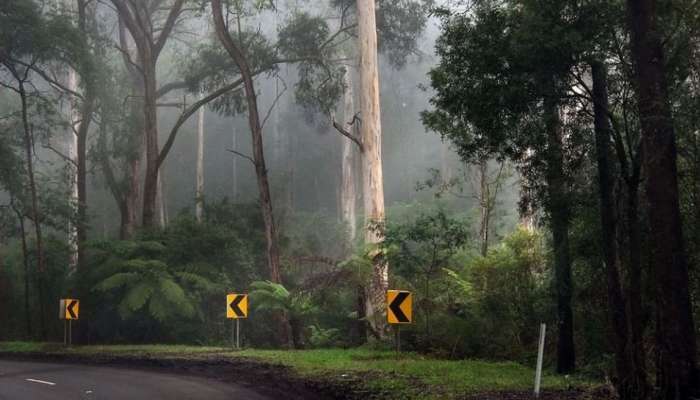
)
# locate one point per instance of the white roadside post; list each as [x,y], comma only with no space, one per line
[540,355]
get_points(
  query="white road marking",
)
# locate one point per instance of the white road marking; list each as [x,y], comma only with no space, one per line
[39,381]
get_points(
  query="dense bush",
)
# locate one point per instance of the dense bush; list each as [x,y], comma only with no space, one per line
[168,285]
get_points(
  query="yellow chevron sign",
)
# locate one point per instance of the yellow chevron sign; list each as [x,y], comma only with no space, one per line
[69,309]
[399,307]
[236,305]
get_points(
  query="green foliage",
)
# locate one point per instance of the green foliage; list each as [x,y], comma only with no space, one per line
[426,244]
[168,285]
[270,296]
[208,68]
[320,337]
[491,82]
[147,284]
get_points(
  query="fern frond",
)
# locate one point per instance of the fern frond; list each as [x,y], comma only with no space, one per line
[137,297]
[116,281]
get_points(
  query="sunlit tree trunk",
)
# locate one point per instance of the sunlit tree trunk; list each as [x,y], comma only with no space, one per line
[72,153]
[161,204]
[372,177]
[677,372]
[348,194]
[199,191]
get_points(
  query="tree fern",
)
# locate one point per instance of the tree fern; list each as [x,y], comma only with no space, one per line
[117,280]
[137,296]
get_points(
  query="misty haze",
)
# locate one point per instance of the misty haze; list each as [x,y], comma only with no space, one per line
[349,199]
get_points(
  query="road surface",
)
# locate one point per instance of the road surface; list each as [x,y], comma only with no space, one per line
[39,381]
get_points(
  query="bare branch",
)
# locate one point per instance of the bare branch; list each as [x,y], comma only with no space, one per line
[167,29]
[47,78]
[347,134]
[168,87]
[274,104]
[188,112]
[247,157]
[60,154]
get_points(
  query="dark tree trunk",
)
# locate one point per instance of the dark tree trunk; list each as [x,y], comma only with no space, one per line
[631,380]
[25,263]
[485,205]
[28,147]
[256,131]
[635,303]
[150,185]
[558,210]
[81,227]
[676,351]
[35,216]
[273,256]
[138,19]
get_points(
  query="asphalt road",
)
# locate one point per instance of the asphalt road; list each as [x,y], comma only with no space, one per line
[38,381]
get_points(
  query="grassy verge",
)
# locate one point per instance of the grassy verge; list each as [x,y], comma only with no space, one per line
[406,375]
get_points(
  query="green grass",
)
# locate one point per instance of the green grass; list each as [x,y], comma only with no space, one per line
[407,375]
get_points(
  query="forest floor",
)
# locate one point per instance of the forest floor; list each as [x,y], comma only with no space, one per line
[328,374]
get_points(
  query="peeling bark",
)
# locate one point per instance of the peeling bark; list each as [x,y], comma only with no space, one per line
[372,175]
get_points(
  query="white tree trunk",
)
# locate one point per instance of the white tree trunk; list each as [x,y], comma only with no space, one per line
[199,191]
[485,205]
[161,207]
[234,175]
[445,168]
[348,192]
[72,152]
[373,182]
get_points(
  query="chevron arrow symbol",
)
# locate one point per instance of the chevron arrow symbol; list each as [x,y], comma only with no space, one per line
[395,307]
[234,306]
[70,309]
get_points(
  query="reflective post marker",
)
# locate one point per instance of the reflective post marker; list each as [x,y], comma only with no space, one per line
[540,355]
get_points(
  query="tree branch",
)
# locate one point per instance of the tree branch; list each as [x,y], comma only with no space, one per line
[274,103]
[169,87]
[63,156]
[188,112]
[168,27]
[347,134]
[247,157]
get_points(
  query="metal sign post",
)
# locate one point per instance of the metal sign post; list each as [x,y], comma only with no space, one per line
[540,355]
[238,333]
[233,336]
[398,338]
